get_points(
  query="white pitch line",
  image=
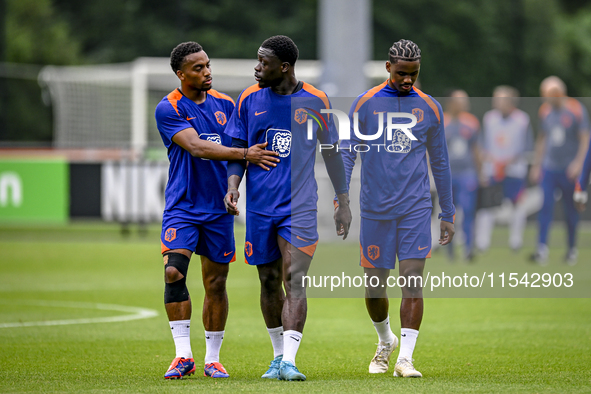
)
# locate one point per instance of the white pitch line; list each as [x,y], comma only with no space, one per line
[135,313]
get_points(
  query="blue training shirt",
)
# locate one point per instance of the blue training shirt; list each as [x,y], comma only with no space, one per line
[562,127]
[395,181]
[195,185]
[461,134]
[282,120]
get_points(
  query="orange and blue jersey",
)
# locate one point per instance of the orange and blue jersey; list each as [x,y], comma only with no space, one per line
[394,176]
[261,116]
[195,186]
[561,127]
[461,133]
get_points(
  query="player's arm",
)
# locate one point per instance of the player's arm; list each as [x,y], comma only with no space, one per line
[573,171]
[335,168]
[439,158]
[580,196]
[189,140]
[535,173]
[235,170]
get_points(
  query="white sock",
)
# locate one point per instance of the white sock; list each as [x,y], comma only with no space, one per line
[276,335]
[213,344]
[408,340]
[518,221]
[181,333]
[384,331]
[291,344]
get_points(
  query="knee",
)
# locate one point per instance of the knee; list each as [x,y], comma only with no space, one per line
[215,284]
[171,274]
[375,292]
[270,280]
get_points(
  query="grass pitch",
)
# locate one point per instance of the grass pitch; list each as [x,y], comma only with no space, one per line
[50,274]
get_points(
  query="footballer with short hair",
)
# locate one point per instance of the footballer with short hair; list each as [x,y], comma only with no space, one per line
[191,121]
[281,230]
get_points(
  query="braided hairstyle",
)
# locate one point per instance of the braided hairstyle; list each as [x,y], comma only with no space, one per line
[178,54]
[404,50]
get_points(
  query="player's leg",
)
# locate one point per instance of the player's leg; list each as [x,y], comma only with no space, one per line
[456,190]
[468,200]
[378,256]
[178,308]
[545,216]
[413,236]
[178,240]
[261,249]
[411,315]
[377,305]
[516,193]
[215,314]
[485,223]
[272,299]
[297,239]
[572,219]
[217,249]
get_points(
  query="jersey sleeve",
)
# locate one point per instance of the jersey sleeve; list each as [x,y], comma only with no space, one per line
[237,124]
[347,147]
[437,148]
[584,124]
[330,135]
[169,122]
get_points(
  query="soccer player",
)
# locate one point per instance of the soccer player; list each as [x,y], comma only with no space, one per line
[281,234]
[461,133]
[507,138]
[395,199]
[191,121]
[560,152]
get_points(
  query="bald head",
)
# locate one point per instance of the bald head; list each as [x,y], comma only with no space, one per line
[552,87]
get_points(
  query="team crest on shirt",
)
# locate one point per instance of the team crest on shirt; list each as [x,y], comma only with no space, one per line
[220,117]
[212,137]
[301,115]
[373,252]
[281,142]
[418,113]
[400,143]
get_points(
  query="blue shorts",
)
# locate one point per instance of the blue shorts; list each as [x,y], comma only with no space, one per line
[261,247]
[408,237]
[210,235]
[512,187]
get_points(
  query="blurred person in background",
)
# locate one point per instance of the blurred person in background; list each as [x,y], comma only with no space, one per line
[560,152]
[580,196]
[506,140]
[461,133]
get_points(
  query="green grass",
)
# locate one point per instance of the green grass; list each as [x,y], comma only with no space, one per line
[485,345]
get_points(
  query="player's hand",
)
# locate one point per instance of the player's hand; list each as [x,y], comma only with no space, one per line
[257,154]
[574,170]
[535,174]
[447,232]
[580,206]
[342,216]
[231,201]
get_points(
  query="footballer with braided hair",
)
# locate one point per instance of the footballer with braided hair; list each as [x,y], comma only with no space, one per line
[395,199]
